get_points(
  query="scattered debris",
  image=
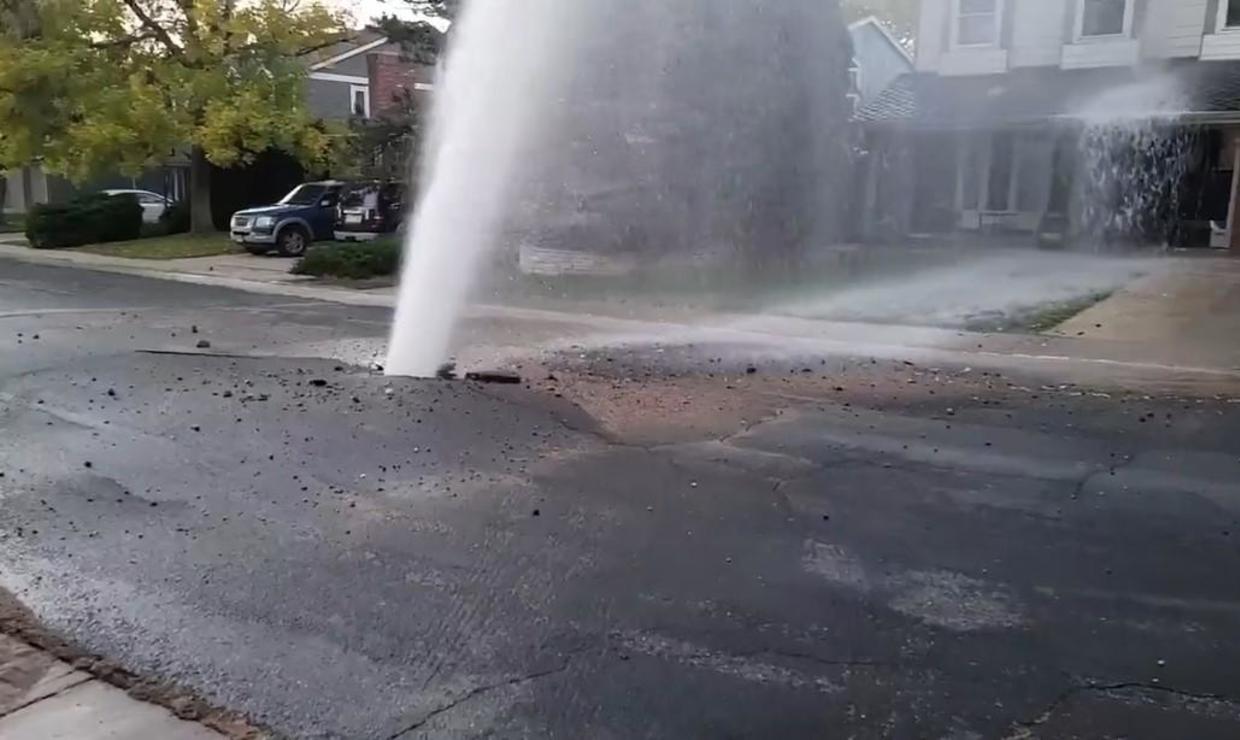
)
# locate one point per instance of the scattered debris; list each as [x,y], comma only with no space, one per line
[203,344]
[446,371]
[318,383]
[504,377]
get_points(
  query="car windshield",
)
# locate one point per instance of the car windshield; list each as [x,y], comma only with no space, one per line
[304,195]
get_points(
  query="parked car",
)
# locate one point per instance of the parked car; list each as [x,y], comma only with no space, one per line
[153,204]
[305,215]
[370,209]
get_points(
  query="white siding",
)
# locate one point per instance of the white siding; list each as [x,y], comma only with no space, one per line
[1173,28]
[1118,53]
[930,33]
[1037,31]
[965,61]
[1224,45]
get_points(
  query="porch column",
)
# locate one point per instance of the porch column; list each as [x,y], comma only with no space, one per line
[869,208]
[1233,208]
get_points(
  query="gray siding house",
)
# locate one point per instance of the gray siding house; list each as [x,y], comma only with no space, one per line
[339,83]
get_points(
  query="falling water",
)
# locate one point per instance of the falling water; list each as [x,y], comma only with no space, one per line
[1134,157]
[633,127]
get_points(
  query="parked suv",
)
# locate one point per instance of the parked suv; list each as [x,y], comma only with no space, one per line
[369,209]
[306,214]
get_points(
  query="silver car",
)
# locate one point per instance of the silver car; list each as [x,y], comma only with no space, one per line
[153,204]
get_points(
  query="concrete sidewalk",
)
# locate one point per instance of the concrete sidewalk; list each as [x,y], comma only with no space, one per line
[1188,315]
[253,274]
[43,698]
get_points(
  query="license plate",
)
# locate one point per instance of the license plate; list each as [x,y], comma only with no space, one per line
[239,238]
[352,218]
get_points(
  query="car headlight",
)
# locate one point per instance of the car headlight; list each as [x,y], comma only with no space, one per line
[264,222]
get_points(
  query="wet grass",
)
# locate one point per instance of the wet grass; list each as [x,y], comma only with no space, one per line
[13,223]
[177,246]
[1039,319]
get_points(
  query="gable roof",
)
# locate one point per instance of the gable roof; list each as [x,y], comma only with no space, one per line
[874,22]
[1203,91]
[364,41]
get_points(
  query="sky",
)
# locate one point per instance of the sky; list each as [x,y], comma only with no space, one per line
[364,10]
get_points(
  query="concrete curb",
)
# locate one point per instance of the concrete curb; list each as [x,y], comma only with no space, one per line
[42,696]
[51,688]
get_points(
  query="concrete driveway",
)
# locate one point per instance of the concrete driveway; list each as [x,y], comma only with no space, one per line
[1189,314]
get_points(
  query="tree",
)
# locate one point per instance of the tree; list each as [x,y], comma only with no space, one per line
[900,16]
[18,20]
[423,39]
[381,147]
[93,85]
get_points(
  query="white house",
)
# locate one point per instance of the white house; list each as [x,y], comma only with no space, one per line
[1016,107]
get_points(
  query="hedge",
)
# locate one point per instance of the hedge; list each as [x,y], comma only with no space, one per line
[175,218]
[354,261]
[89,219]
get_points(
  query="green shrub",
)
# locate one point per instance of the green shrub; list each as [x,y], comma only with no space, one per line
[175,218]
[89,219]
[354,261]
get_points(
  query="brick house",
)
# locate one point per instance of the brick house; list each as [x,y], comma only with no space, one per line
[364,78]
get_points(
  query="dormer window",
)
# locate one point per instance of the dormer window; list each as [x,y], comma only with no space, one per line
[976,22]
[1104,18]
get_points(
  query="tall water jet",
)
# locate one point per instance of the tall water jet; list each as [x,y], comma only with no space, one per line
[500,56]
[646,127]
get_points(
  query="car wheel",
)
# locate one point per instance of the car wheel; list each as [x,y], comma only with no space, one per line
[292,241]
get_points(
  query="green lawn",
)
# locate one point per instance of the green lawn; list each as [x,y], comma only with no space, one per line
[172,247]
[14,223]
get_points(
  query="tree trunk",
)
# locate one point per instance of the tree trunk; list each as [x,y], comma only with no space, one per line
[200,193]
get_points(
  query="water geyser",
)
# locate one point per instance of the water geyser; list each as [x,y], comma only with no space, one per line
[661,125]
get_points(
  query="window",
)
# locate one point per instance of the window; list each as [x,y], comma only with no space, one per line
[1229,15]
[976,22]
[304,195]
[359,100]
[1104,18]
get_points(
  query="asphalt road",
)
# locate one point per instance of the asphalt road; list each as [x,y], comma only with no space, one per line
[862,551]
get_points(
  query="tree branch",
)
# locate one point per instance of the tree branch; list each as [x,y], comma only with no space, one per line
[124,41]
[158,31]
[227,15]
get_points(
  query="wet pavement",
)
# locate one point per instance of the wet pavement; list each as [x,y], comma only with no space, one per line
[672,542]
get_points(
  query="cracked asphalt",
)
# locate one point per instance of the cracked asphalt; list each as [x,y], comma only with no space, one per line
[692,541]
